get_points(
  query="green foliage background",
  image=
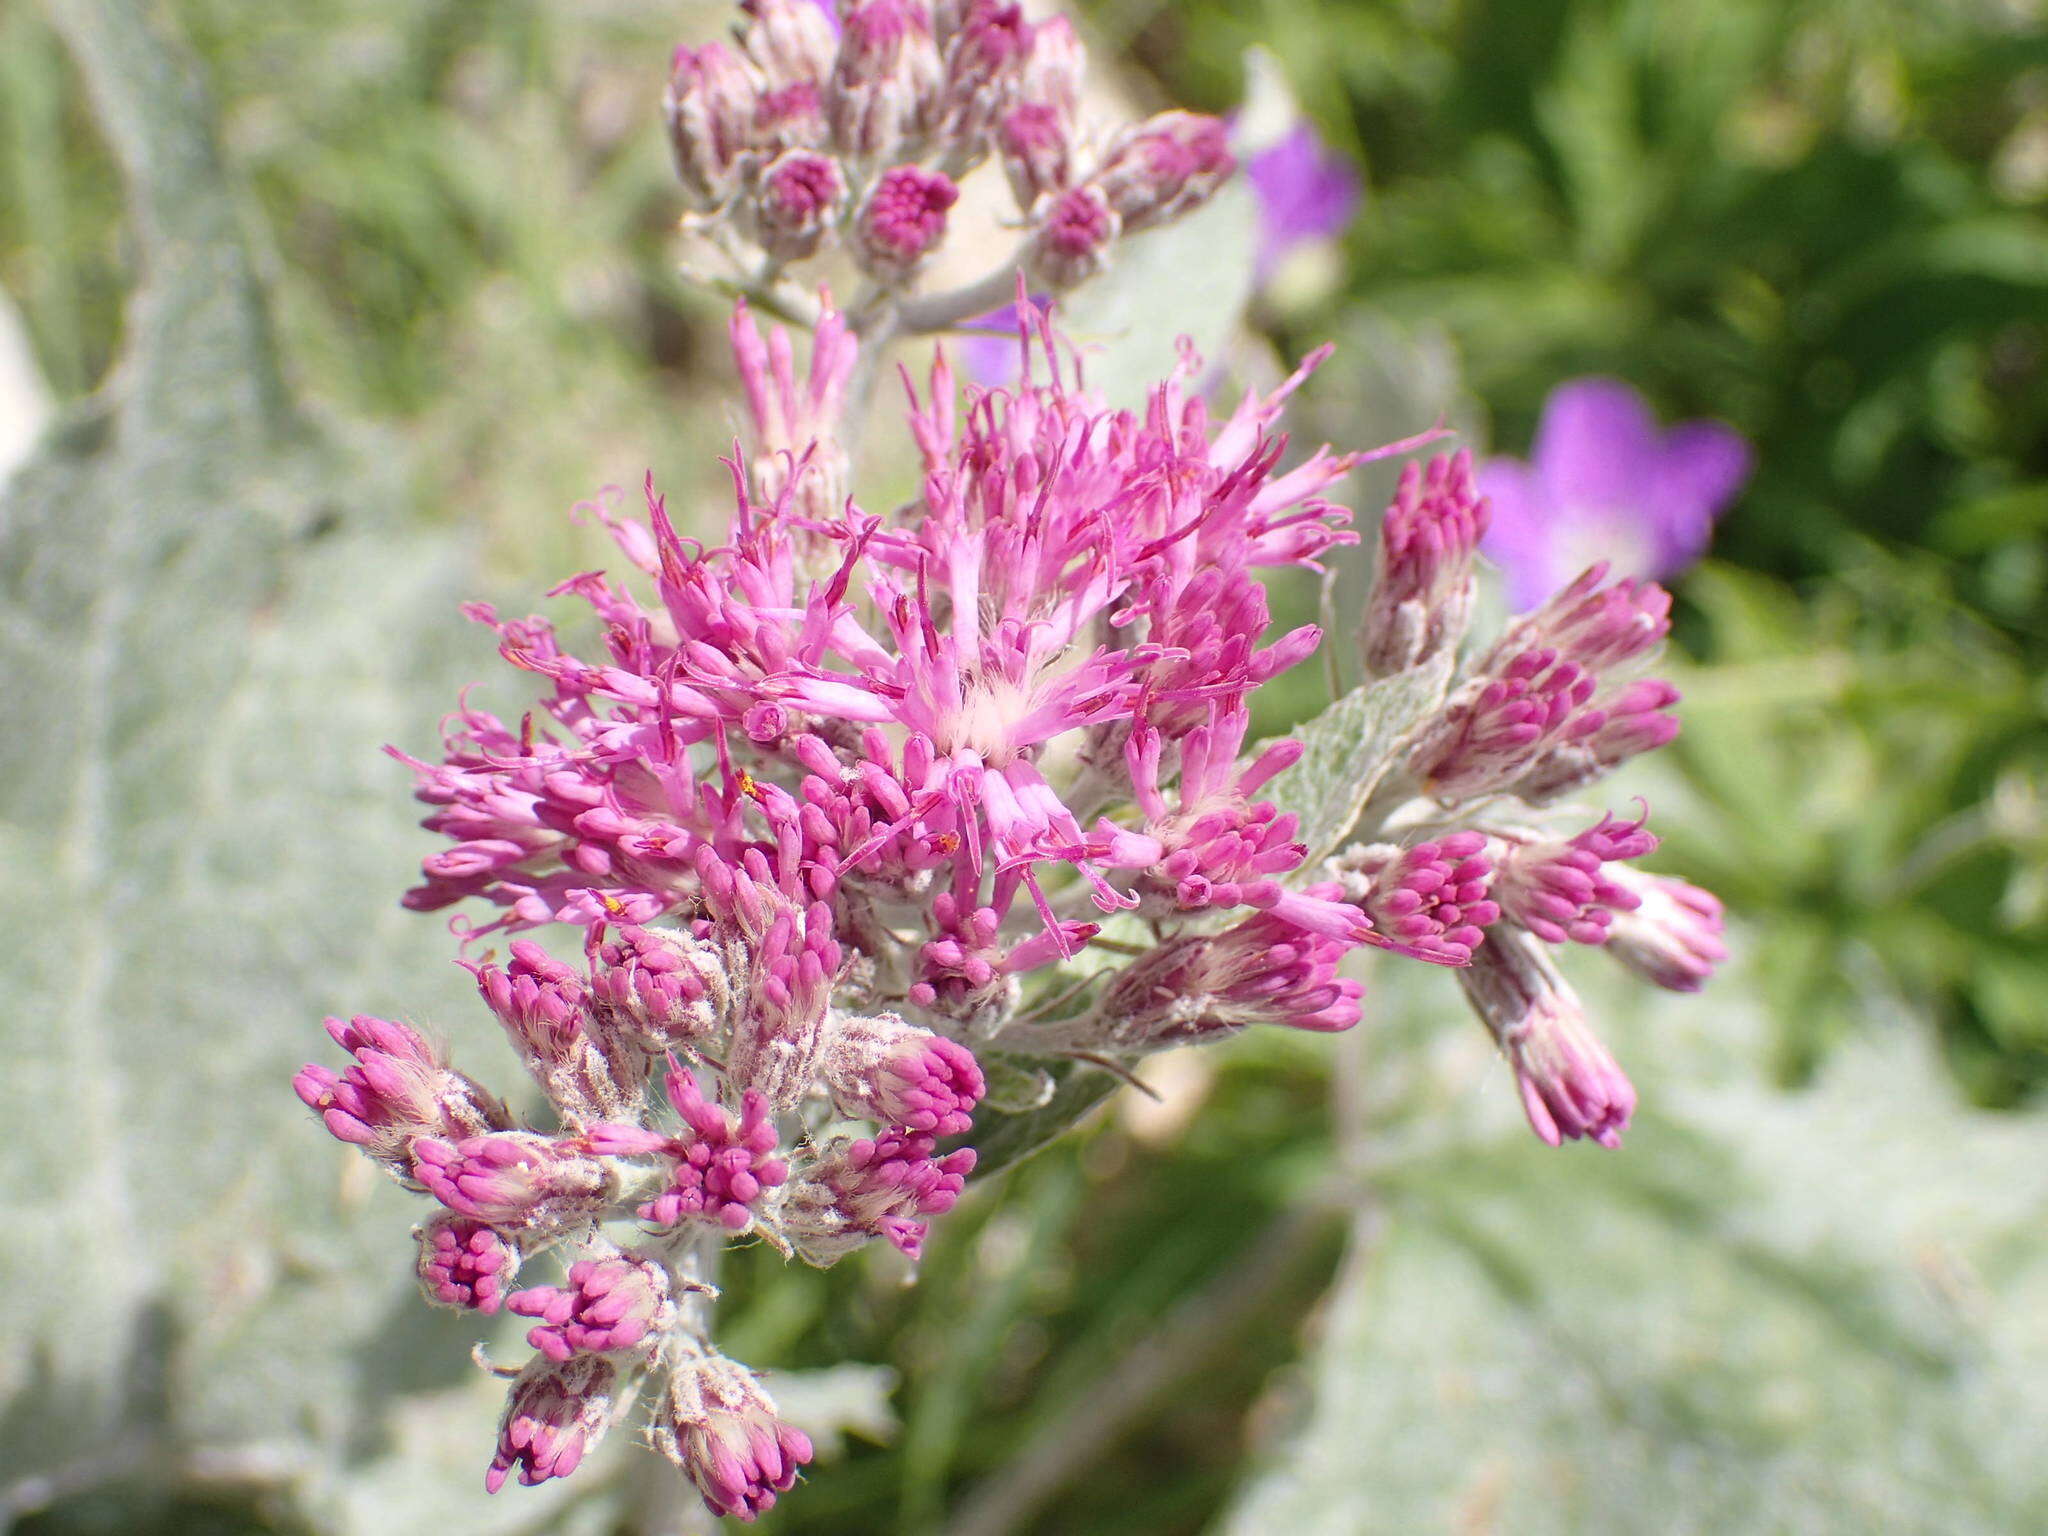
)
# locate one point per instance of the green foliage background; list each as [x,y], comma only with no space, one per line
[1348,1293]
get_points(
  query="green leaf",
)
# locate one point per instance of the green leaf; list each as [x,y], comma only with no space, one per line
[1350,747]
[999,1140]
[210,613]
[1016,1084]
[1816,1312]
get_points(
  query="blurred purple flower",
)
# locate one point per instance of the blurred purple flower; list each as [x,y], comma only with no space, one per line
[1305,190]
[988,350]
[1605,482]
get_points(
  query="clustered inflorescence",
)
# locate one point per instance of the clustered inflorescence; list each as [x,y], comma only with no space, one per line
[845,799]
[817,129]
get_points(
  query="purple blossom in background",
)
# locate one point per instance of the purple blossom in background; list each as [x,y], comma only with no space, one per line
[1605,482]
[1306,191]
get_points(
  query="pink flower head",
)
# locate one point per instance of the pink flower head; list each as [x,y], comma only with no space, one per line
[1671,934]
[398,1091]
[903,220]
[1431,898]
[1075,236]
[883,1069]
[882,100]
[1036,143]
[1504,720]
[1598,623]
[792,41]
[1570,1084]
[1606,483]
[794,445]
[1623,723]
[555,1415]
[542,1004]
[717,1424]
[1421,599]
[657,987]
[1264,970]
[882,1186]
[1218,847]
[1165,166]
[1066,568]
[710,111]
[609,1306]
[515,1180]
[967,971]
[1561,890]
[1540,714]
[546,829]
[464,1263]
[802,196]
[777,928]
[719,1165]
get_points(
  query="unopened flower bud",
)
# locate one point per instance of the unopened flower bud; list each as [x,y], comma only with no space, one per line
[658,987]
[1165,166]
[464,1263]
[541,1003]
[1073,241]
[515,1180]
[1566,889]
[720,1166]
[710,109]
[882,1186]
[789,117]
[1036,147]
[883,1069]
[1501,722]
[1596,623]
[790,41]
[1570,1084]
[555,1415]
[1672,936]
[720,1427]
[903,221]
[1264,970]
[883,95]
[1623,724]
[398,1090]
[801,197]
[1431,899]
[608,1307]
[1421,600]
[1054,68]
[1035,132]
[984,58]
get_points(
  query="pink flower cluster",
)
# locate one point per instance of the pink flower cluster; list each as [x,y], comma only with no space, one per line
[840,797]
[509,1191]
[798,135]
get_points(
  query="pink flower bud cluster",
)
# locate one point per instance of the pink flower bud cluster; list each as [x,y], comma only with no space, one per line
[1564,890]
[796,138]
[1570,1084]
[1422,602]
[742,990]
[719,1425]
[1431,899]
